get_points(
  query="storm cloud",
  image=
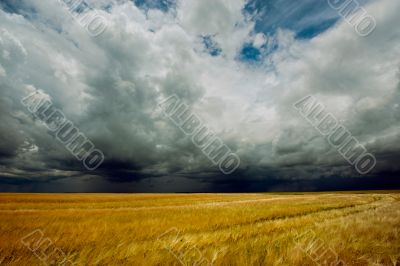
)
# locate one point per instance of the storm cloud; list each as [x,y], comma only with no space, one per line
[233,62]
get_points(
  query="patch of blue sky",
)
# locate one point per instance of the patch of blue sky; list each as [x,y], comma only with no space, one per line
[108,8]
[306,18]
[210,46]
[163,5]
[18,7]
[10,6]
[314,30]
[250,53]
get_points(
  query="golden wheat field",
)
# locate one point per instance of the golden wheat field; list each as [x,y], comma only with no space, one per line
[200,229]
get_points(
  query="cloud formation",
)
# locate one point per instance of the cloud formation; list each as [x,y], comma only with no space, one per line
[110,86]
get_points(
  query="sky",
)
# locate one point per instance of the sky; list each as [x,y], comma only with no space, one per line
[239,66]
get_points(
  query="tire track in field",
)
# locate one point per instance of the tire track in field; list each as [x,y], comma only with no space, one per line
[262,220]
[289,216]
[257,222]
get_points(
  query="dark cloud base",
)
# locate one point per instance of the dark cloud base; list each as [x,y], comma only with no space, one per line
[77,185]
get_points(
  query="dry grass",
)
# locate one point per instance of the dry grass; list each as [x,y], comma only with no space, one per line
[196,229]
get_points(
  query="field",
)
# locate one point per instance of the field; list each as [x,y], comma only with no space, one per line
[350,228]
